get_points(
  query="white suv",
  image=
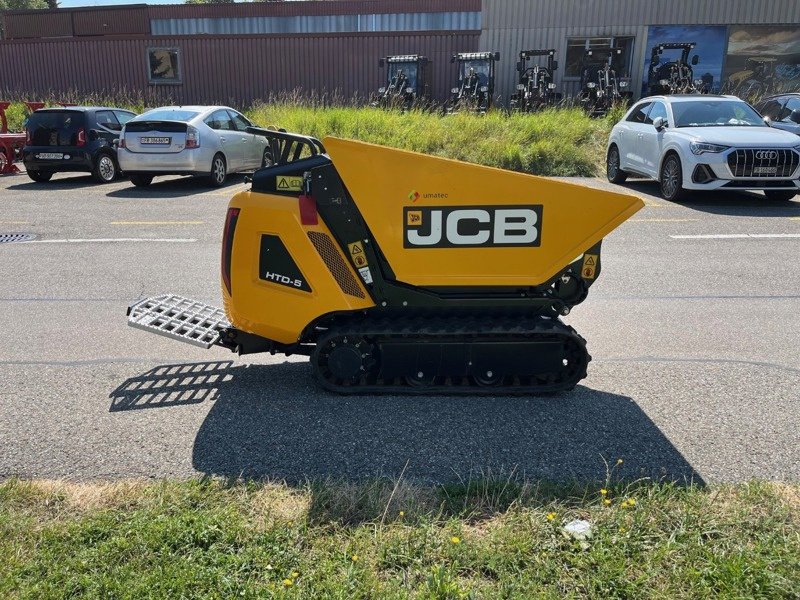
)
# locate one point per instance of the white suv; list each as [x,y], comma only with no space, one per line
[701,142]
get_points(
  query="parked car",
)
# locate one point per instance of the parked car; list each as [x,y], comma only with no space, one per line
[209,141]
[702,142]
[783,111]
[74,139]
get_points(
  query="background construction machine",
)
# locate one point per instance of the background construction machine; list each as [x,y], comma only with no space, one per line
[674,76]
[453,282]
[408,82]
[535,89]
[601,88]
[757,79]
[475,86]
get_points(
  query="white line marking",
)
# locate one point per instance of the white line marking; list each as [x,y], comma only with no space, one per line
[734,236]
[111,240]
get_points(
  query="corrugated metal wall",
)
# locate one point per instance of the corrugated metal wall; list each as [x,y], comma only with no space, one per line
[114,20]
[418,21]
[513,25]
[235,70]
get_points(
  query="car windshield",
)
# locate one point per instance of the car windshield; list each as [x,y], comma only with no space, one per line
[715,113]
[169,114]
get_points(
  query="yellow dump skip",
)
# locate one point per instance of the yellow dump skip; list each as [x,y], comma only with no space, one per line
[415,205]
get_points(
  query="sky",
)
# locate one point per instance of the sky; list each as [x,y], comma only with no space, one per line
[74,3]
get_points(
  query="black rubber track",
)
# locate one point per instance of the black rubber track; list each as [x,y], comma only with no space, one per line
[451,329]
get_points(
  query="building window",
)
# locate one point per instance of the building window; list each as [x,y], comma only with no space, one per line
[621,63]
[163,65]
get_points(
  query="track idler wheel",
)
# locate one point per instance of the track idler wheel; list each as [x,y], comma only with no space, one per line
[344,360]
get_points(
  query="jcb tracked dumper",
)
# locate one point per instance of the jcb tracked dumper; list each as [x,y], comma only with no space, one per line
[452,281]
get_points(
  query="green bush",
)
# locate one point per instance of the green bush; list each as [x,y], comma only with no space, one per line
[556,142]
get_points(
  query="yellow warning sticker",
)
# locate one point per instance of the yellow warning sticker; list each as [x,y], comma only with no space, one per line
[289,184]
[589,265]
[357,254]
[414,218]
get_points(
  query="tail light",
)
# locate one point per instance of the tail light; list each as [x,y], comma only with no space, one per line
[227,246]
[81,137]
[192,138]
[121,143]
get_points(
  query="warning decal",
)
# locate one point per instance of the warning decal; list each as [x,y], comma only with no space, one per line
[357,254]
[589,269]
[414,218]
[289,184]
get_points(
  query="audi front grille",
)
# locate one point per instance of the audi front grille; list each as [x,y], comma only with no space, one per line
[763,162]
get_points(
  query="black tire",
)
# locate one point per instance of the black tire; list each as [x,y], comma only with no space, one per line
[780,195]
[40,176]
[671,179]
[613,172]
[141,180]
[219,171]
[105,168]
[266,158]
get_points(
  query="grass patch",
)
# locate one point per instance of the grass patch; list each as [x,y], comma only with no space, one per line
[556,142]
[383,539]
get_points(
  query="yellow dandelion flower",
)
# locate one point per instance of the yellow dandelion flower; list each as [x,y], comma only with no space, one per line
[604,491]
[402,513]
[607,502]
[354,558]
[551,516]
[622,530]
[631,501]
[455,539]
[295,574]
[288,582]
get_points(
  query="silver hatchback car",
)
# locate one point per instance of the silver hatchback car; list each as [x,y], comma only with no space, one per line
[209,141]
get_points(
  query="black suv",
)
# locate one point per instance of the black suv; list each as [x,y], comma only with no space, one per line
[74,138]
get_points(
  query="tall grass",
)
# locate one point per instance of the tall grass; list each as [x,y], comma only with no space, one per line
[555,142]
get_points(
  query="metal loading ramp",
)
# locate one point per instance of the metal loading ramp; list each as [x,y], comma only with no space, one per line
[179,318]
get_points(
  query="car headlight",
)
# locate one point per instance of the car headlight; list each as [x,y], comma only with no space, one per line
[703,147]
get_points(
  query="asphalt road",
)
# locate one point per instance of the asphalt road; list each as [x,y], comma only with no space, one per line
[696,370]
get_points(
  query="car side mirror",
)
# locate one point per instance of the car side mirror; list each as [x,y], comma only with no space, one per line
[659,123]
[695,59]
[795,116]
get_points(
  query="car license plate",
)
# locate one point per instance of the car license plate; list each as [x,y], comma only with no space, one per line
[156,140]
[764,170]
[50,156]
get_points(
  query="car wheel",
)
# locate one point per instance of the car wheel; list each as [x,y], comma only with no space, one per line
[266,158]
[218,171]
[105,168]
[780,195]
[141,180]
[672,179]
[40,176]
[613,172]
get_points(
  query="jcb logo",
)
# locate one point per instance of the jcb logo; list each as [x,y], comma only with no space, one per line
[464,226]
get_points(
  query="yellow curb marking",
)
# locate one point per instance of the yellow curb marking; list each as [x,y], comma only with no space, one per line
[157,222]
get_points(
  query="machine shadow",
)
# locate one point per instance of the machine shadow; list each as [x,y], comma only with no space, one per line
[272,422]
[729,203]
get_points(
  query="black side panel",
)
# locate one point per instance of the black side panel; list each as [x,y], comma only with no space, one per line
[276,265]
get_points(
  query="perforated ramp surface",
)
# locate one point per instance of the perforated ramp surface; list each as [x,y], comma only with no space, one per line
[179,318]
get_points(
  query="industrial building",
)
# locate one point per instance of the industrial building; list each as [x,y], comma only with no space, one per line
[239,53]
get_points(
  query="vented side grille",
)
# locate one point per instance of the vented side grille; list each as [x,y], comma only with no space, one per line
[338,268]
[763,162]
